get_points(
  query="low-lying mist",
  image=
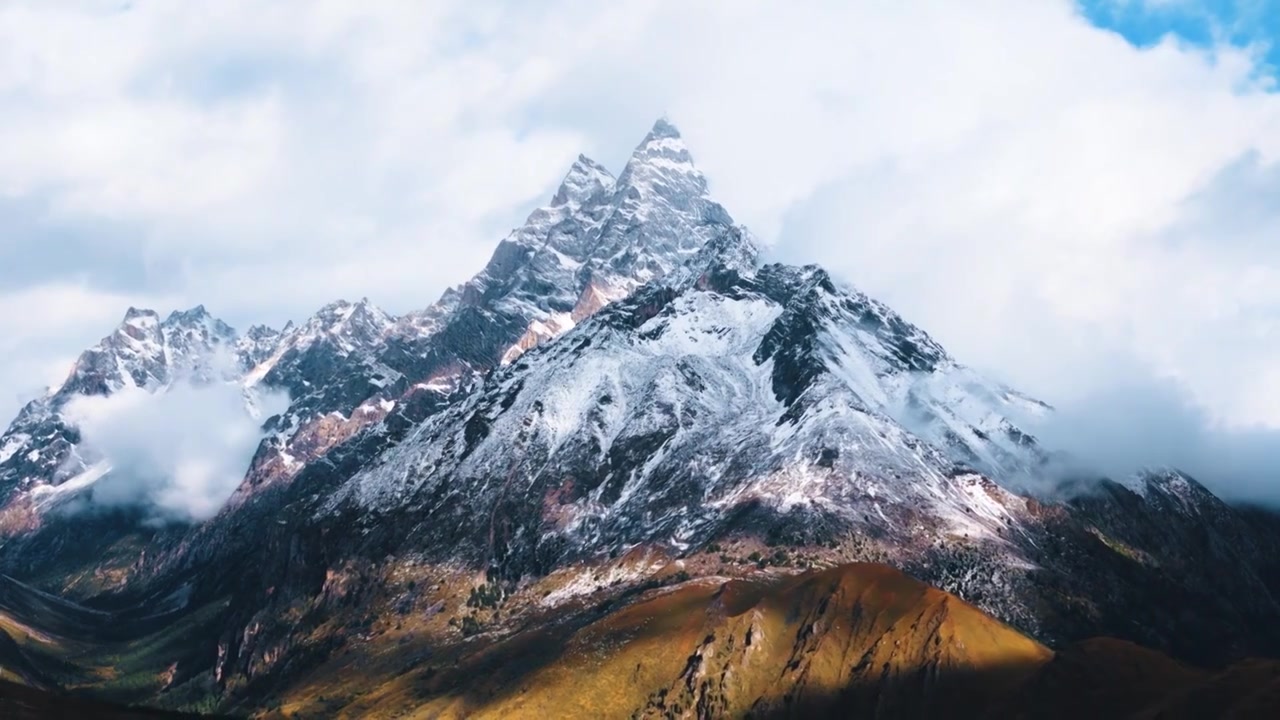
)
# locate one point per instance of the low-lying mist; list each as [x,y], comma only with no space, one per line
[1128,425]
[178,454]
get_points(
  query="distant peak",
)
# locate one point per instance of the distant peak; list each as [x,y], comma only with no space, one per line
[663,140]
[663,157]
[663,128]
[339,312]
[331,314]
[367,308]
[260,331]
[585,164]
[585,179]
[332,307]
[134,313]
[196,313]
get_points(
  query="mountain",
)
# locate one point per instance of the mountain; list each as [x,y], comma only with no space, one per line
[597,240]
[40,453]
[626,398]
[351,364]
[732,397]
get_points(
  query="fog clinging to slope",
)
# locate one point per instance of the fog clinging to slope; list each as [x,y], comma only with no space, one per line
[178,455]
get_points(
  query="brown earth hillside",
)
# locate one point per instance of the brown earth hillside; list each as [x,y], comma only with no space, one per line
[854,641]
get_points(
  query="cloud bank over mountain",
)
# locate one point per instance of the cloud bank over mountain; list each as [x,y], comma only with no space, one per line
[178,454]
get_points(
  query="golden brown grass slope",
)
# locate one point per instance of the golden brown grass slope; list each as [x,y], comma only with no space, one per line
[854,641]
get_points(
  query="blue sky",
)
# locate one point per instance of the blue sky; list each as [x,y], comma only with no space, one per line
[1204,23]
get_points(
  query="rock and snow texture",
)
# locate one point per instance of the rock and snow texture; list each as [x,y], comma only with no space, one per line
[625,370]
[747,384]
[598,240]
[351,364]
[728,389]
[145,353]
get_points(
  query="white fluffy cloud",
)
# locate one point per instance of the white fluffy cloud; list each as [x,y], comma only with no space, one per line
[178,454]
[1047,199]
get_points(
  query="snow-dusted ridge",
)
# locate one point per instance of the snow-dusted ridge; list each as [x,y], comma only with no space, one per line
[40,449]
[795,361]
[726,386]
[351,364]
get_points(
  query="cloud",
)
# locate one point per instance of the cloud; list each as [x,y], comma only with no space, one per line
[179,454]
[1132,422]
[1038,193]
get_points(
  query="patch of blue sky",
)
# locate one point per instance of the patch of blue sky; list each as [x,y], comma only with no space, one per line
[1252,24]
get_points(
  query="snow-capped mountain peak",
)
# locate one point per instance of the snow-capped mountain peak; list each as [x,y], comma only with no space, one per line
[142,352]
[195,314]
[132,355]
[585,180]
[662,165]
[140,325]
[134,313]
[661,212]
[258,343]
[350,325]
[597,240]
[200,347]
